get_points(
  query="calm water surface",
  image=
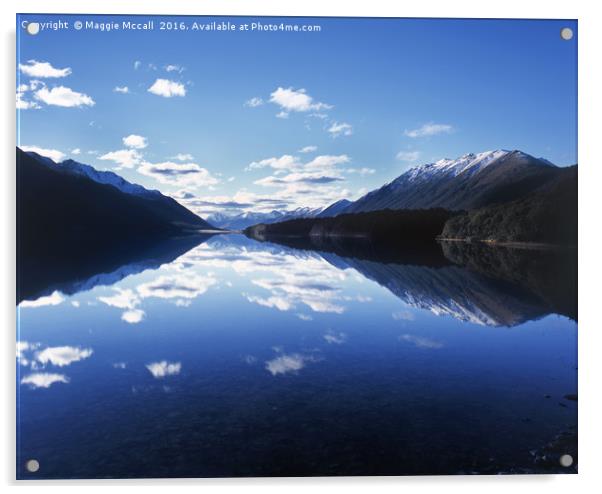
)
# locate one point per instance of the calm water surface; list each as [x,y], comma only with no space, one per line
[241,358]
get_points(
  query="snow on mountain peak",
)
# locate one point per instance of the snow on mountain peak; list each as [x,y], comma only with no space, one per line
[102,177]
[468,163]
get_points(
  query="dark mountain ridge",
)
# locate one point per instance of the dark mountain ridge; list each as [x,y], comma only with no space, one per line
[469,182]
[63,216]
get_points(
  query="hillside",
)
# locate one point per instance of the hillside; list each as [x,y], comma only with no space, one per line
[388,226]
[64,215]
[549,215]
[469,182]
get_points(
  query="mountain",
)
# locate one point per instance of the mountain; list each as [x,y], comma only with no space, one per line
[240,221]
[62,213]
[547,215]
[102,177]
[473,282]
[71,177]
[469,182]
[386,226]
[334,209]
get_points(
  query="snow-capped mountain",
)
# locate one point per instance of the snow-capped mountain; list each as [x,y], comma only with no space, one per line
[240,221]
[102,177]
[469,163]
[72,178]
[468,182]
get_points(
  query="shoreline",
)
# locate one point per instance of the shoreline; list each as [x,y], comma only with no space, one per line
[512,244]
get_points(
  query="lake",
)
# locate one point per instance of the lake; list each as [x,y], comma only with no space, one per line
[226,356]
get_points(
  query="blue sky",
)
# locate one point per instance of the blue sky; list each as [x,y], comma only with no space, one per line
[252,120]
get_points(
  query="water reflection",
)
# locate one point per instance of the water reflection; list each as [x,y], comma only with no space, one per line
[229,356]
[42,280]
[472,283]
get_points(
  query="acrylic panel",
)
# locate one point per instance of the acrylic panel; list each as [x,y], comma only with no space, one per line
[260,246]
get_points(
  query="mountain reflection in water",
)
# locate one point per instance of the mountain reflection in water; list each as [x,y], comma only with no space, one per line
[477,283]
[227,356]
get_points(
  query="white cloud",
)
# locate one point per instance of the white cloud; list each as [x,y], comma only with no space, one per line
[22,347]
[167,88]
[333,338]
[279,303]
[62,356]
[22,89]
[403,315]
[308,149]
[286,363]
[63,96]
[34,68]
[76,151]
[135,141]
[408,156]
[122,299]
[179,174]
[133,316]
[308,180]
[55,299]
[301,188]
[174,68]
[44,379]
[137,64]
[327,161]
[429,129]
[315,178]
[183,157]
[282,114]
[162,369]
[289,162]
[340,129]
[125,158]
[177,286]
[121,89]
[284,162]
[54,154]
[361,171]
[23,104]
[296,100]
[420,341]
[254,102]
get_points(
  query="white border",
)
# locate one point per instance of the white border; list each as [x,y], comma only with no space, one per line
[590,183]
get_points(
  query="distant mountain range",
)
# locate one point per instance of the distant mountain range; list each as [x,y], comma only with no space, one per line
[240,221]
